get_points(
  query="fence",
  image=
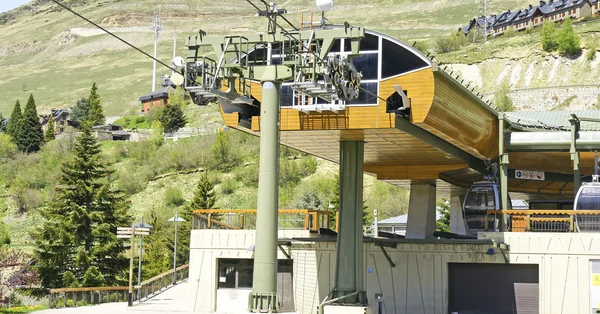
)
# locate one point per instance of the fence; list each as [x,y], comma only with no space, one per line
[306,219]
[67,297]
[548,220]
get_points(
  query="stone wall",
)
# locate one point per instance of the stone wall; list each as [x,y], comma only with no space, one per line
[548,98]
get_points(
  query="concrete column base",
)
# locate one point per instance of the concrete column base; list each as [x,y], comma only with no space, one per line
[421,211]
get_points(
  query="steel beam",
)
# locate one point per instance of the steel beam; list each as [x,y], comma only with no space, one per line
[503,172]
[349,279]
[264,288]
[435,141]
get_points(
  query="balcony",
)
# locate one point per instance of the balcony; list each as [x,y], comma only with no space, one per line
[245,219]
[546,220]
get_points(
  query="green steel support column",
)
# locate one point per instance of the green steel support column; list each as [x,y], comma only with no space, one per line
[503,173]
[349,263]
[575,124]
[264,290]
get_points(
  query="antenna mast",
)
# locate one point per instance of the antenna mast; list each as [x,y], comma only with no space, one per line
[481,23]
[156,27]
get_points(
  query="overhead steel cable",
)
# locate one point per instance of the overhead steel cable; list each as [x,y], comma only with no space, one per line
[280,15]
[303,45]
[115,36]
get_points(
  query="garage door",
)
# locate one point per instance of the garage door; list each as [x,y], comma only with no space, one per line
[493,288]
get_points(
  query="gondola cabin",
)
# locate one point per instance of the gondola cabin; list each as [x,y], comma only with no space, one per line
[482,196]
[588,198]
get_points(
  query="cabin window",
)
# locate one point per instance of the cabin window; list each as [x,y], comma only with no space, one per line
[286,97]
[369,43]
[235,273]
[366,64]
[365,98]
[397,60]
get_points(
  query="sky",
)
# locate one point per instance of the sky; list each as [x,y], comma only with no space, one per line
[6,5]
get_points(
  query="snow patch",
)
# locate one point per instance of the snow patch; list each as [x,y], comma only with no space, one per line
[553,71]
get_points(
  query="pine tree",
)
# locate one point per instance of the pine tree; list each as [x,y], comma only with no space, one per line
[30,137]
[172,117]
[204,198]
[3,125]
[156,254]
[14,123]
[50,129]
[79,232]
[95,114]
[80,111]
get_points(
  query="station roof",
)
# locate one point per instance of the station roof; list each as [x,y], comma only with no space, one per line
[444,139]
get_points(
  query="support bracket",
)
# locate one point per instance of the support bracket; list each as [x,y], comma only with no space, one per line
[286,253]
[387,256]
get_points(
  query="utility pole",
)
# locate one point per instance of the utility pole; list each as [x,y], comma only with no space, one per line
[130,294]
[481,26]
[156,27]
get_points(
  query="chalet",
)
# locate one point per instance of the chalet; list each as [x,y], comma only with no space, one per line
[61,120]
[533,16]
[156,99]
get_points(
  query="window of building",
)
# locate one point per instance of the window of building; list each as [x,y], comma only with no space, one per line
[366,64]
[235,273]
[365,98]
[397,60]
[286,96]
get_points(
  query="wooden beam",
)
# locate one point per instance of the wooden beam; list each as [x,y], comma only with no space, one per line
[398,172]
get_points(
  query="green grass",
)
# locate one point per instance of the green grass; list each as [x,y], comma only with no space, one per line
[133,122]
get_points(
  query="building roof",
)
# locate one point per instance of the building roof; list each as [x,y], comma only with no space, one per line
[402,219]
[57,113]
[158,94]
[554,119]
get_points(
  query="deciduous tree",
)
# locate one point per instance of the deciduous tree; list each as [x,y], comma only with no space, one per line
[568,41]
[549,42]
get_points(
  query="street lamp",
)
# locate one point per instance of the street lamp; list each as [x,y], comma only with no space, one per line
[176,219]
[141,224]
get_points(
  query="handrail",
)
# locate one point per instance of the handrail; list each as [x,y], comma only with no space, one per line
[546,220]
[169,272]
[253,211]
[313,219]
[73,296]
[543,212]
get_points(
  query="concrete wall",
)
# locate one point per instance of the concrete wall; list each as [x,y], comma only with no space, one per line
[208,245]
[563,261]
[419,281]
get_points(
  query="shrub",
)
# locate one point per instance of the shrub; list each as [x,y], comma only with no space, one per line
[501,99]
[510,32]
[591,53]
[248,175]
[568,41]
[450,43]
[174,196]
[549,42]
[7,147]
[228,186]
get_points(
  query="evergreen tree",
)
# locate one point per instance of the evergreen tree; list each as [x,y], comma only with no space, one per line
[156,255]
[50,129]
[79,232]
[95,113]
[172,117]
[204,198]
[80,112]
[3,125]
[30,137]
[568,41]
[14,123]
[158,134]
[549,42]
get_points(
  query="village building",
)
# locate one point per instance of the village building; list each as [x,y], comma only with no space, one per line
[533,16]
[156,99]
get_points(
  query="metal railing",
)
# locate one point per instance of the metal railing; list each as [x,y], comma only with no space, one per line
[547,220]
[151,287]
[70,297]
[299,219]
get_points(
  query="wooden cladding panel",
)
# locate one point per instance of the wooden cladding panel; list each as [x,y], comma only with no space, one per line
[557,161]
[461,118]
[419,87]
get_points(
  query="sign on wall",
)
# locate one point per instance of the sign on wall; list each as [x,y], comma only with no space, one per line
[594,285]
[529,175]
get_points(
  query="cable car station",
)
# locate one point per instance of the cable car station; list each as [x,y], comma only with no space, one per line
[377,106]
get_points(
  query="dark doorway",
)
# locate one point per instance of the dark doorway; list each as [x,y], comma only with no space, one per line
[493,288]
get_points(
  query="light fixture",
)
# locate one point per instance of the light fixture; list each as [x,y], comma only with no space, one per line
[325,5]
